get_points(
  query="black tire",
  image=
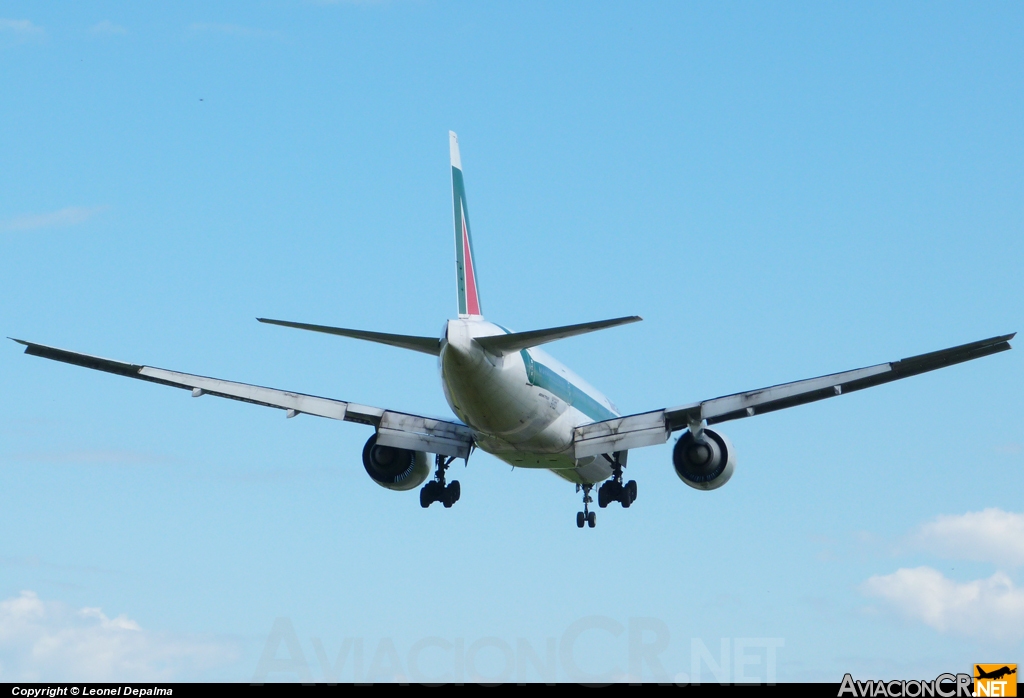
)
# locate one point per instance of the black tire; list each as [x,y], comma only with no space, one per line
[580,520]
[455,491]
[425,495]
[602,496]
[631,487]
[592,519]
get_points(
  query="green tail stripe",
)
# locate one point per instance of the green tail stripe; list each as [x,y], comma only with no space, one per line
[543,377]
[461,217]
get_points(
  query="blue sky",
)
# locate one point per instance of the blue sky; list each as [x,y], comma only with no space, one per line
[780,192]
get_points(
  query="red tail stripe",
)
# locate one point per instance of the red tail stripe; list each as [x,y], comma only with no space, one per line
[472,301]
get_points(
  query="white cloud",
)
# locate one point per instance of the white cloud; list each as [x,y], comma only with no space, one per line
[47,641]
[992,535]
[107,28]
[71,215]
[990,608]
[232,30]
[19,31]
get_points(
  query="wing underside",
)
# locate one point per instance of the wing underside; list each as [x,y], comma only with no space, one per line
[396,429]
[651,428]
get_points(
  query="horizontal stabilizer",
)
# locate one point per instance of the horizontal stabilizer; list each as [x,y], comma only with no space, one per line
[427,345]
[509,343]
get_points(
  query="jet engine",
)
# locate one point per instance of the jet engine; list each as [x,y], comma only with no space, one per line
[395,468]
[705,462]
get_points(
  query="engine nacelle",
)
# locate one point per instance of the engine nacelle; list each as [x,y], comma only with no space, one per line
[706,463]
[395,468]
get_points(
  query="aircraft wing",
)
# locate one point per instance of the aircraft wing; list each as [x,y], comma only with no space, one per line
[396,429]
[650,428]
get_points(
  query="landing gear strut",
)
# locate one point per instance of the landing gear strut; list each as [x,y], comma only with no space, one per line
[615,490]
[586,516]
[436,490]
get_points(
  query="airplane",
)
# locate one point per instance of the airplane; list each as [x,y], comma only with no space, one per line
[995,674]
[518,403]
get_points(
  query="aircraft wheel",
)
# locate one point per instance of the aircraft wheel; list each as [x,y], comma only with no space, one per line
[580,520]
[427,495]
[592,519]
[454,491]
[631,487]
[602,496]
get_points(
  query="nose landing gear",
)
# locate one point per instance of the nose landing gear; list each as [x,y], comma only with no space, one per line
[586,516]
[436,490]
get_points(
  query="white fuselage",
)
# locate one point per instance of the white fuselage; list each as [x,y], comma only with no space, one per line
[523,405]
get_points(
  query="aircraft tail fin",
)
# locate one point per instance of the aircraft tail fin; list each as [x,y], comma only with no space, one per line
[427,345]
[516,341]
[465,264]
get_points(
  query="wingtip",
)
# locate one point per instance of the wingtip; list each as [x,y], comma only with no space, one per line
[19,341]
[453,147]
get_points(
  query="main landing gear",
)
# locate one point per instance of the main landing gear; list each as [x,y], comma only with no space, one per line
[615,491]
[586,516]
[436,490]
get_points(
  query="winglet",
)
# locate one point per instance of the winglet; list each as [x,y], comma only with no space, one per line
[453,147]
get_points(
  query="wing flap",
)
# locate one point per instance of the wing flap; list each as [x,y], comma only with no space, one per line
[424,434]
[621,434]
